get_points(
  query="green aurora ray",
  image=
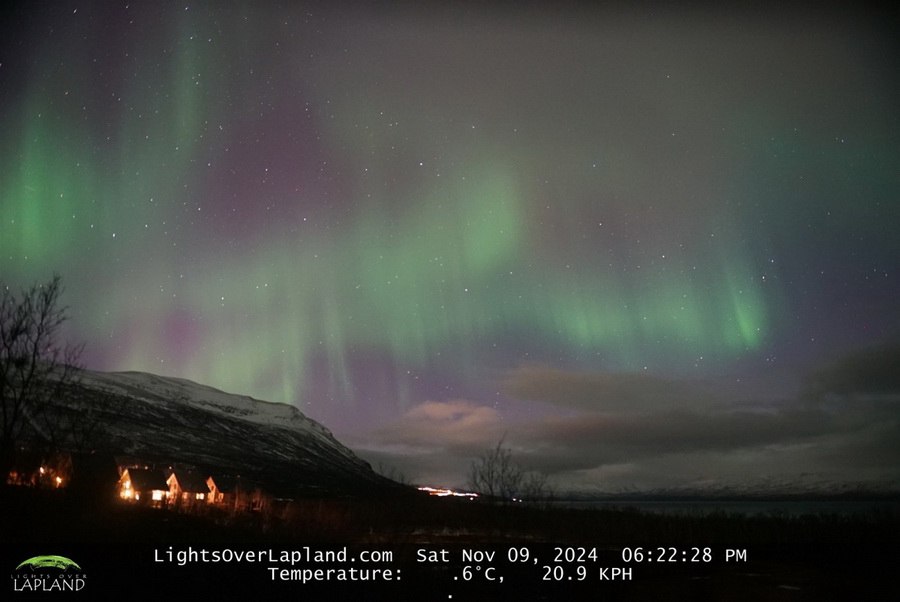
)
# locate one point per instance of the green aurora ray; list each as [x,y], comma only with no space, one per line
[228,201]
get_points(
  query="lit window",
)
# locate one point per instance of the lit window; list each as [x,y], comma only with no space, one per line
[157,495]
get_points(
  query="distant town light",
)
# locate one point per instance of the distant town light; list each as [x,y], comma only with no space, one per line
[441,492]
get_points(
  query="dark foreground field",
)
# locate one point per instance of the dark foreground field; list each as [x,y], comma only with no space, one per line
[410,547]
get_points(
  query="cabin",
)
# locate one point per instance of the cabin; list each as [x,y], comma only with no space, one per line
[37,469]
[143,486]
[96,478]
[221,490]
[187,489]
[237,494]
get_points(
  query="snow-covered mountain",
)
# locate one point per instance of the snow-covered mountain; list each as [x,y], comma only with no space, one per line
[171,420]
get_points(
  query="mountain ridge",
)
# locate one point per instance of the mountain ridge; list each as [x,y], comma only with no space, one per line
[161,419]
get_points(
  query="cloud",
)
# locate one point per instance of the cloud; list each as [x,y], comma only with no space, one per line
[459,425]
[604,390]
[623,431]
[434,442]
[590,440]
[871,371]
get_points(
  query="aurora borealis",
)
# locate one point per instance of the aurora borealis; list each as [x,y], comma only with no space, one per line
[606,233]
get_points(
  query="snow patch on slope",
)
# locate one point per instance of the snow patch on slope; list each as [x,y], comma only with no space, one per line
[150,388]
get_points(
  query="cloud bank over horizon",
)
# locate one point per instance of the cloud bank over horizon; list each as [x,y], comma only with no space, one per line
[624,433]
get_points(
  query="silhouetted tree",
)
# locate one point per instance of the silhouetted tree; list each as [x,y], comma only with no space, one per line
[34,366]
[494,473]
[497,475]
[537,488]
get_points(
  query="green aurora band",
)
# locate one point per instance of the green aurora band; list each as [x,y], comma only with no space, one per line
[364,256]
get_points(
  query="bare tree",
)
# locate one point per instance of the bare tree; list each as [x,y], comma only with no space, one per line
[34,366]
[497,475]
[494,473]
[536,488]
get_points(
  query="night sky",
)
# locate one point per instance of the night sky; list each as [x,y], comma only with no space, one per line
[650,248]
